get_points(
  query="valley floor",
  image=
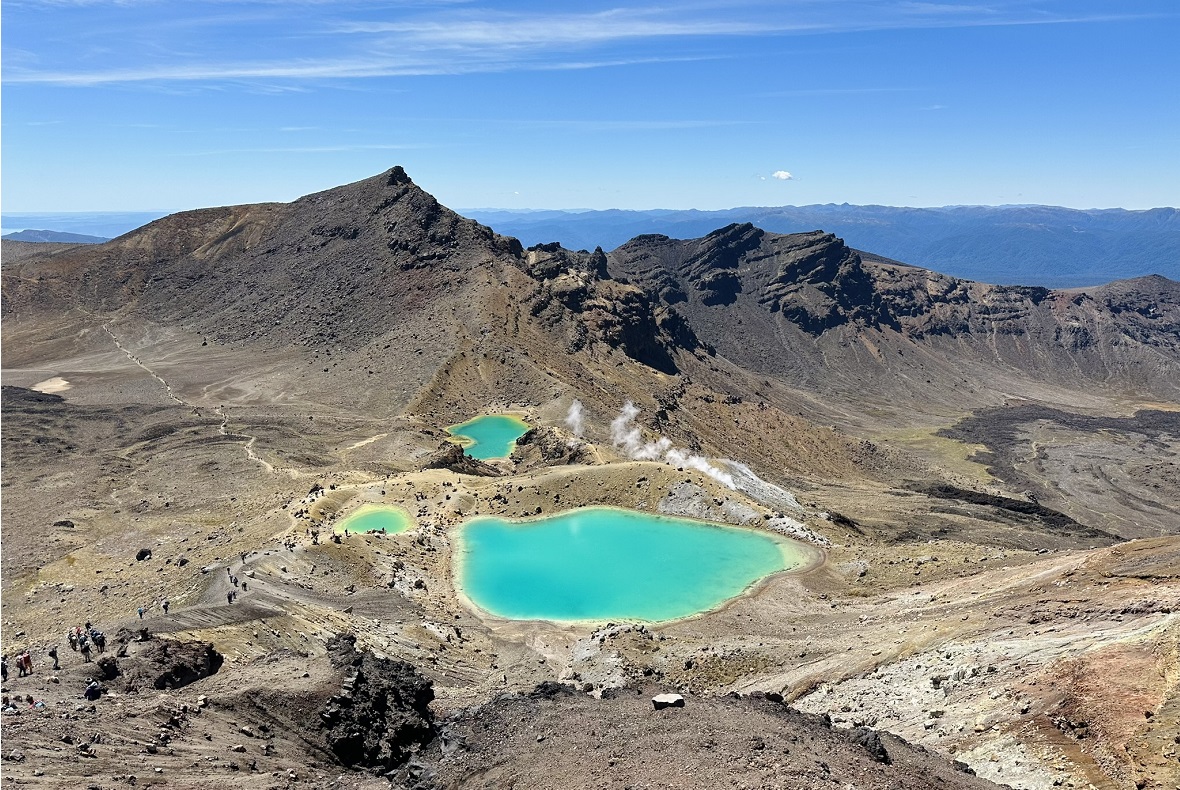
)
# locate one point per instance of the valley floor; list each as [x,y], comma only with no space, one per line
[1044,661]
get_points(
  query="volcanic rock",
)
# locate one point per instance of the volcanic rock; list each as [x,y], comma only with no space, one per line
[661,701]
[384,715]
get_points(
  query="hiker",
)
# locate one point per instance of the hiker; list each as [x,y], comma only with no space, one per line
[140,610]
[234,580]
[4,669]
[53,655]
[84,646]
[229,597]
[73,639]
[164,605]
[26,662]
[93,690]
[243,557]
[99,639]
[243,585]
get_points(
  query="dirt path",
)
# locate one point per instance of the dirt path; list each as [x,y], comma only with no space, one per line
[167,388]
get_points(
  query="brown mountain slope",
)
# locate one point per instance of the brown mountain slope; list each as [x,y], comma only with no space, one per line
[221,386]
[372,298]
[806,308]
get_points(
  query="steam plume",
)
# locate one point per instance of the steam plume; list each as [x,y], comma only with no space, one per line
[627,437]
[574,420]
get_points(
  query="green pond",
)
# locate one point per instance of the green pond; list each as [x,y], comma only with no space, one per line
[602,563]
[376,518]
[490,436]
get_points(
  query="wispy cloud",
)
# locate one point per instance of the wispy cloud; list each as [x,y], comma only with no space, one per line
[808,92]
[269,44]
[521,31]
[255,74]
[598,125]
[314,149]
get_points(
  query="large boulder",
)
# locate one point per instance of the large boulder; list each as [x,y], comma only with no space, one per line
[382,715]
[451,456]
[545,446]
[661,701]
[168,664]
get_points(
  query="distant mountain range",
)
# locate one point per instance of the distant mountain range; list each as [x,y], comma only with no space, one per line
[374,267]
[54,236]
[1047,246]
[100,224]
[1019,245]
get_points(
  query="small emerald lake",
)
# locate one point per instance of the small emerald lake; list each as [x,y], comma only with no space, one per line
[376,518]
[490,436]
[601,563]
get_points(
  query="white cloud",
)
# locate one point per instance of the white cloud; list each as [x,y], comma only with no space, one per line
[305,40]
[781,175]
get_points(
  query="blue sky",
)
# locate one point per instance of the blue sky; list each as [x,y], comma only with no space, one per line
[168,105]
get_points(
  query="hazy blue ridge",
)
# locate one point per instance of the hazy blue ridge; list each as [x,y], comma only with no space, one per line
[54,236]
[1020,245]
[99,224]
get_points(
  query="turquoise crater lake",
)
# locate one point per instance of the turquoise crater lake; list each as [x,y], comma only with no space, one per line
[376,518]
[490,436]
[601,563]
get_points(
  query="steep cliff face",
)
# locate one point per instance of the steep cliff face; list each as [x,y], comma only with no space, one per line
[574,290]
[807,307]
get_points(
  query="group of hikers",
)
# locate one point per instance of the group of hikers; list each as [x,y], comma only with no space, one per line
[24,665]
[86,640]
[9,705]
[80,642]
[231,595]
[163,605]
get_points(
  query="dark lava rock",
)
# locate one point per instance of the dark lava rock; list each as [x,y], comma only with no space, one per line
[548,689]
[872,743]
[451,456]
[1052,519]
[143,554]
[383,716]
[108,667]
[167,664]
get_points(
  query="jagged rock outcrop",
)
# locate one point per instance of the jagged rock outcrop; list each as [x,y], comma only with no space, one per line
[450,455]
[170,664]
[381,716]
[573,291]
[811,310]
[819,283]
[545,446]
